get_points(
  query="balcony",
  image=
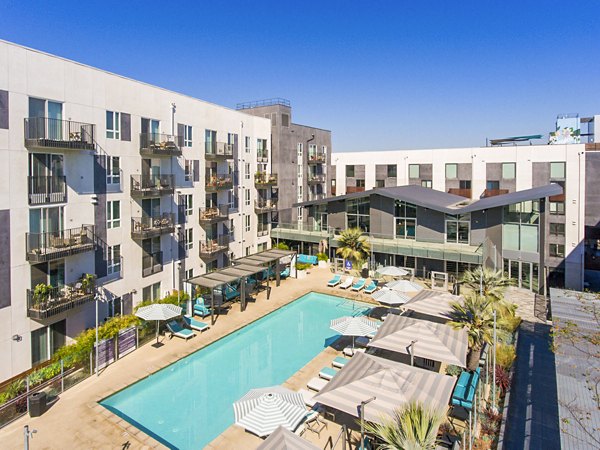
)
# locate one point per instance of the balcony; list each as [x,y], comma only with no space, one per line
[152,263]
[263,229]
[264,180]
[354,189]
[42,247]
[264,206]
[461,192]
[262,157]
[316,179]
[215,183]
[152,226]
[317,158]
[494,192]
[213,214]
[44,304]
[156,144]
[217,151]
[152,185]
[46,133]
[212,247]
[46,190]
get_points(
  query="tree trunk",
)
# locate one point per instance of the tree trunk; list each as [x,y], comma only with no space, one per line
[473,359]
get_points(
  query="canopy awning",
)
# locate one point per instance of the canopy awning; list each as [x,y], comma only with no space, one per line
[432,303]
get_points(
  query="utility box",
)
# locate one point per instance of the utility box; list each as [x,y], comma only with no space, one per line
[37,404]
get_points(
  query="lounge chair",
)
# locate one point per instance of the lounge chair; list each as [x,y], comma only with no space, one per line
[316,384]
[179,331]
[337,279]
[371,287]
[196,324]
[347,283]
[349,351]
[359,284]
[339,362]
[200,308]
[313,423]
[362,341]
[327,373]
[284,273]
[231,292]
[309,397]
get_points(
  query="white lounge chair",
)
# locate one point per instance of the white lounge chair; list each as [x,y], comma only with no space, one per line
[349,351]
[339,362]
[347,283]
[316,384]
[327,373]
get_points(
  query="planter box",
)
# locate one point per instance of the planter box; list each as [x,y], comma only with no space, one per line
[323,264]
[300,274]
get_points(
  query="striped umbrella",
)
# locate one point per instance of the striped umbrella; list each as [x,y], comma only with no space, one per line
[389,297]
[391,271]
[404,286]
[282,439]
[353,326]
[158,312]
[262,410]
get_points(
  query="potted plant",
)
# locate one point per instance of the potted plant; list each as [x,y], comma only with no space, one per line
[41,293]
[87,282]
[322,258]
[301,270]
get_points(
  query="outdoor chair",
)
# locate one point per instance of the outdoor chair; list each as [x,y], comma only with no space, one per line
[337,279]
[372,287]
[327,373]
[347,283]
[339,362]
[179,331]
[195,324]
[359,284]
[316,384]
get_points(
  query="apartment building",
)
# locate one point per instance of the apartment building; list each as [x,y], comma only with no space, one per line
[115,188]
[300,157]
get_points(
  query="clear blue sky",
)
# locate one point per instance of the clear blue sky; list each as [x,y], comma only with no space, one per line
[379,74]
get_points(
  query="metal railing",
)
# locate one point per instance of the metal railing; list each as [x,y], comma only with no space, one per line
[45,132]
[459,191]
[218,150]
[211,247]
[218,182]
[157,144]
[262,156]
[42,247]
[263,229]
[152,263]
[354,189]
[494,192]
[151,226]
[213,214]
[46,189]
[316,179]
[265,102]
[265,205]
[317,158]
[152,185]
[42,304]
[264,178]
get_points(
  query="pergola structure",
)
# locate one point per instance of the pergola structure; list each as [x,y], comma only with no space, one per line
[241,270]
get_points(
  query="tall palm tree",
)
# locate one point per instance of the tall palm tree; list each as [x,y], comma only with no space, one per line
[412,427]
[493,282]
[475,313]
[353,245]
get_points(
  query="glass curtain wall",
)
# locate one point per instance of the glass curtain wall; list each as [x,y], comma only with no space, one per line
[358,213]
[406,220]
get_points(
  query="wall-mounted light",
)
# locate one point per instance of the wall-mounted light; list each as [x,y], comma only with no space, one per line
[17,337]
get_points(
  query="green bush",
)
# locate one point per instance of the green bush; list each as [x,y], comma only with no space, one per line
[282,246]
[173,299]
[303,266]
[505,355]
[322,257]
[453,370]
[12,390]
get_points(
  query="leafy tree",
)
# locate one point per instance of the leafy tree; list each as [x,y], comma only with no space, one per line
[353,245]
[493,282]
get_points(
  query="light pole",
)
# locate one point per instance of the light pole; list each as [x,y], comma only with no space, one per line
[362,421]
[98,299]
[27,433]
[494,367]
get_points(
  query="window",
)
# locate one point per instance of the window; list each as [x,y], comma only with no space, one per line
[247,197]
[300,172]
[509,171]
[112,125]
[113,170]
[557,229]
[151,292]
[114,259]
[557,250]
[557,170]
[285,120]
[247,141]
[360,183]
[557,208]
[464,184]
[520,226]
[113,214]
[451,171]
[247,223]
[300,150]
[247,171]
[392,170]
[457,228]
[492,185]
[300,213]
[406,220]
[358,213]
[189,170]
[349,171]
[188,203]
[426,184]
[115,307]
[189,274]
[379,183]
[300,193]
[187,135]
[189,239]
[413,171]
[248,251]
[261,149]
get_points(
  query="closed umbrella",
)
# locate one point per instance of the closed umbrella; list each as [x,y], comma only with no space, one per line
[391,271]
[262,410]
[390,297]
[404,286]
[158,312]
[353,326]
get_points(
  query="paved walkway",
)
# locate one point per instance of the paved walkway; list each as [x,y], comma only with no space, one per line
[533,421]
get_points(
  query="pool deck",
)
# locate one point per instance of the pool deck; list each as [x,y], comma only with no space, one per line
[78,421]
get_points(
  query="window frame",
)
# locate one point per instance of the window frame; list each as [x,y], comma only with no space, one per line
[113,265]
[111,221]
[113,177]
[411,168]
[564,170]
[115,130]
[553,229]
[189,239]
[187,136]
[449,166]
[553,250]
[514,170]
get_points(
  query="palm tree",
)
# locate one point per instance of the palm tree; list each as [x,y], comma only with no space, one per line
[412,427]
[475,313]
[353,245]
[493,282]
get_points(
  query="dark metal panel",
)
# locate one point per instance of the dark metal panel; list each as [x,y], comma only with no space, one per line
[125,127]
[4,109]
[5,299]
[196,170]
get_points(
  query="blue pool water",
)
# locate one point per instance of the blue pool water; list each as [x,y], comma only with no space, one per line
[189,403]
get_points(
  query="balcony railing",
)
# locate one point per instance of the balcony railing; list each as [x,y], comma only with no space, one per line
[152,226]
[56,300]
[354,189]
[262,157]
[265,179]
[216,183]
[262,206]
[263,229]
[317,158]
[42,247]
[218,150]
[316,179]
[157,144]
[152,185]
[212,247]
[45,190]
[152,263]
[44,132]
[213,214]
[460,191]
[494,192]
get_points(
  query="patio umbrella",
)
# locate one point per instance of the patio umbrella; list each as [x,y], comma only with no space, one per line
[282,439]
[391,271]
[262,410]
[158,312]
[390,297]
[404,286]
[433,303]
[353,326]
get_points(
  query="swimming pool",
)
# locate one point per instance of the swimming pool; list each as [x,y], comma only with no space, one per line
[189,403]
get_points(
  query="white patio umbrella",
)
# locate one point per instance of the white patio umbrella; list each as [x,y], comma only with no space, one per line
[404,286]
[282,439]
[390,297]
[262,410]
[391,271]
[353,326]
[158,312]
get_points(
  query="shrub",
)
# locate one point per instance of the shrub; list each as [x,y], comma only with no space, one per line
[12,390]
[172,299]
[502,379]
[322,257]
[505,355]
[282,246]
[453,370]
[303,266]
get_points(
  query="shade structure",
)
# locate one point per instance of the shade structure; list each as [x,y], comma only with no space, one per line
[353,326]
[391,271]
[422,338]
[390,297]
[432,303]
[158,312]
[404,286]
[392,384]
[282,439]
[262,410]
